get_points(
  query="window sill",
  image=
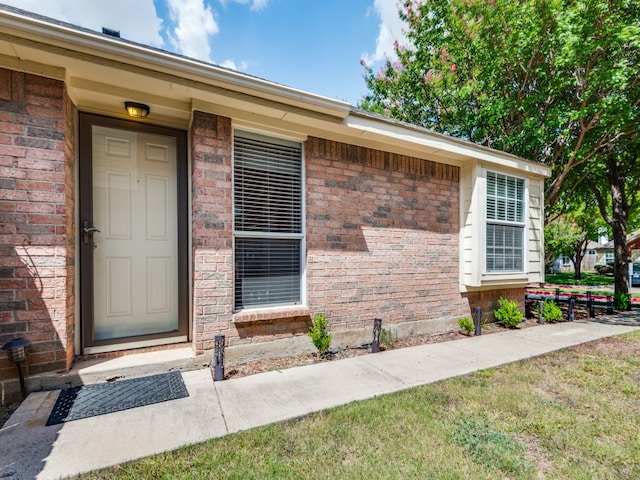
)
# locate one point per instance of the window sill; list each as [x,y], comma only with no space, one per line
[504,278]
[263,314]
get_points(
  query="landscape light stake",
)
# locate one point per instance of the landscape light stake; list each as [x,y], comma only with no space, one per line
[377,329]
[17,352]
[609,305]
[557,295]
[541,312]
[572,302]
[592,312]
[218,359]
[477,322]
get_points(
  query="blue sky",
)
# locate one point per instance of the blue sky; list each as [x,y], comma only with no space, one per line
[311,45]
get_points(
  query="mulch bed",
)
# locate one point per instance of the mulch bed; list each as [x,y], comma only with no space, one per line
[580,312]
[271,364]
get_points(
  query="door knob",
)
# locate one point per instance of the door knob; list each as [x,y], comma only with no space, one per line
[87,232]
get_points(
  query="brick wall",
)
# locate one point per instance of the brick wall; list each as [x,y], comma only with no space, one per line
[487,300]
[382,236]
[36,219]
[382,240]
[212,228]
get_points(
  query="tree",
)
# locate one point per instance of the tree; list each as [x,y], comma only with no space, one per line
[616,186]
[555,81]
[570,232]
[549,80]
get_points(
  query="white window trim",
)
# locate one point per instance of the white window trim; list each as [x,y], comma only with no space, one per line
[488,277]
[241,234]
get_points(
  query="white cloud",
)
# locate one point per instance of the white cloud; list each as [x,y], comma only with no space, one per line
[391,29]
[256,5]
[230,64]
[140,23]
[194,25]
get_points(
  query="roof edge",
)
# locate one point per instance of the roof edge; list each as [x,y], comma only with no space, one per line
[72,37]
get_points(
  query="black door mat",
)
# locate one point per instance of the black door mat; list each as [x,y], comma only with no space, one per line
[98,399]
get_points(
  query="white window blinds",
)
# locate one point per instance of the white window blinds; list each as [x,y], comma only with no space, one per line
[505,223]
[505,198]
[267,184]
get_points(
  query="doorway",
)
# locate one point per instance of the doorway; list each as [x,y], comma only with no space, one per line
[133,234]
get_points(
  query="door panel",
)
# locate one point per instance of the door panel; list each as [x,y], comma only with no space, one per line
[135,261]
[133,243]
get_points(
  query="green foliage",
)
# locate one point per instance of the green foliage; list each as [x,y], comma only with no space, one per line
[508,313]
[318,333]
[622,301]
[551,311]
[388,337]
[588,278]
[550,81]
[559,239]
[466,324]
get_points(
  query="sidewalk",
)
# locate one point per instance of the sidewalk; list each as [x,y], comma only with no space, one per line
[32,450]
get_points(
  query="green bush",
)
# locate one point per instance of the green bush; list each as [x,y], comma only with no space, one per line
[388,337]
[508,314]
[551,311]
[466,324]
[318,333]
[622,301]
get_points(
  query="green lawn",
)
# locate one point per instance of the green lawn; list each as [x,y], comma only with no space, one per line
[573,414]
[587,279]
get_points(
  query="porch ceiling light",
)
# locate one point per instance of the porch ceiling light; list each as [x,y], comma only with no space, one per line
[137,110]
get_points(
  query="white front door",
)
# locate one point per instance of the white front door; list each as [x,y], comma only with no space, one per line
[131,241]
[135,258]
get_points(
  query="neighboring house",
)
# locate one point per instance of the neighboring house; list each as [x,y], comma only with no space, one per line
[596,254]
[238,207]
[599,254]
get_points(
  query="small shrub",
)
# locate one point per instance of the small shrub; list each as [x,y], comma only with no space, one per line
[388,337]
[318,333]
[508,314]
[621,301]
[551,311]
[466,324]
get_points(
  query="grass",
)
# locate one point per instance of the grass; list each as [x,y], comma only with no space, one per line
[572,414]
[587,279]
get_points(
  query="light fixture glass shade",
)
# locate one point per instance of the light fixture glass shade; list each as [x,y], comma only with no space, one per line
[16,349]
[137,110]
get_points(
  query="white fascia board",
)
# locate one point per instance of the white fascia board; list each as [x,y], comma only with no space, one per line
[396,131]
[92,43]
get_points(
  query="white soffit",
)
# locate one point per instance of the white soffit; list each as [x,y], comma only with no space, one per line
[372,128]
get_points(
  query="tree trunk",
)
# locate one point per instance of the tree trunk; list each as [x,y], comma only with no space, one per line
[620,214]
[577,268]
[621,258]
[620,209]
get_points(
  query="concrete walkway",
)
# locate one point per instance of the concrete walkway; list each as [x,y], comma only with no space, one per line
[29,449]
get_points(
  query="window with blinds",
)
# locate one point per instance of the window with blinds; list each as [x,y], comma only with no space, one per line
[505,223]
[268,226]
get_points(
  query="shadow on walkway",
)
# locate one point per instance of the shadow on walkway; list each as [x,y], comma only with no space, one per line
[628,319]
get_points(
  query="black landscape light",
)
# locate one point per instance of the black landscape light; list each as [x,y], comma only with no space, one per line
[17,352]
[218,358]
[541,312]
[477,322]
[377,329]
